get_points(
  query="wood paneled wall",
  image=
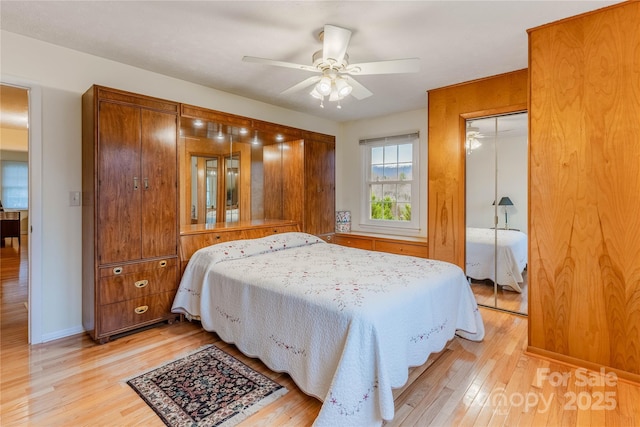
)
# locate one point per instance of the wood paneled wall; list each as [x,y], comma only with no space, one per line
[584,267]
[449,107]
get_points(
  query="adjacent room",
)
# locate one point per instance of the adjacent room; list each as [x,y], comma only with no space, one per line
[296,213]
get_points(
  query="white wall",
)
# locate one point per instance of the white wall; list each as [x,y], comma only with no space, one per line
[348,170]
[63,76]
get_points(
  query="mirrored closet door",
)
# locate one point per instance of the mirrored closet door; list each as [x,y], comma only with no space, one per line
[496,210]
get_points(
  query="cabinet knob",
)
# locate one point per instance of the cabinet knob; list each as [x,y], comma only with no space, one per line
[163,263]
[117,270]
[142,309]
[141,283]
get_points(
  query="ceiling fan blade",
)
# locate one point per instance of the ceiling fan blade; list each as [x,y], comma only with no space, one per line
[334,43]
[394,66]
[358,91]
[279,63]
[303,84]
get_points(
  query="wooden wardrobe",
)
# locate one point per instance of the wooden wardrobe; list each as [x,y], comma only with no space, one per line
[130,211]
[300,180]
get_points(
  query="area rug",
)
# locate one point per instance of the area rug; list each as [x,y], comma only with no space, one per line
[206,388]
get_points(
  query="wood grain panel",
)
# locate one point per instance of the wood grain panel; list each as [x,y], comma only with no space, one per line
[214,116]
[159,184]
[585,188]
[244,151]
[121,316]
[412,246]
[354,242]
[319,170]
[402,248]
[135,99]
[119,183]
[128,286]
[293,181]
[448,108]
[272,168]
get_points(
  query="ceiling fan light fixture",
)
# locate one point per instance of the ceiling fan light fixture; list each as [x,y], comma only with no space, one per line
[342,87]
[324,86]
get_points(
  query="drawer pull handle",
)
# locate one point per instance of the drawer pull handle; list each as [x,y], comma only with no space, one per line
[141,283]
[142,309]
[117,270]
[163,263]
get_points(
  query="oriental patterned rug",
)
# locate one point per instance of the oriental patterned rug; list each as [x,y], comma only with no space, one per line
[206,388]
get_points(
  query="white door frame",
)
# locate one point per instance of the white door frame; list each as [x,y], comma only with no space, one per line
[34,230]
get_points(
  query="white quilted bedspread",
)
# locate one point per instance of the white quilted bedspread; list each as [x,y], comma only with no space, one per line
[344,323]
[510,253]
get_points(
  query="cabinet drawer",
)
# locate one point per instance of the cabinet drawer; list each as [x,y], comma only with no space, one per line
[354,242]
[264,232]
[329,238]
[136,312]
[402,248]
[120,270]
[123,287]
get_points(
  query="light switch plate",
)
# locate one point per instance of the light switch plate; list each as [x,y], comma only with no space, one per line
[74,198]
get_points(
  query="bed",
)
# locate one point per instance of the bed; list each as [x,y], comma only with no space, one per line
[345,323]
[511,256]
[230,216]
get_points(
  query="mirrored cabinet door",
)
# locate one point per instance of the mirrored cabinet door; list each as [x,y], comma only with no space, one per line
[496,210]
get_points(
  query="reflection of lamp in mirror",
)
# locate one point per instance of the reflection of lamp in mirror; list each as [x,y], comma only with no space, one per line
[505,201]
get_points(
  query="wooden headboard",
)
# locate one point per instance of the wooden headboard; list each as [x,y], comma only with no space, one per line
[197,236]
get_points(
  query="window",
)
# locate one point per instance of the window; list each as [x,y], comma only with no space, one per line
[15,185]
[391,182]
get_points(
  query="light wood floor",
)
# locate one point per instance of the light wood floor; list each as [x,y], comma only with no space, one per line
[74,382]
[506,300]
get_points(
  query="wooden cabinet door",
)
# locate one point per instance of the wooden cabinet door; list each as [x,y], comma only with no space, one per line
[159,212]
[319,187]
[272,167]
[119,183]
[292,181]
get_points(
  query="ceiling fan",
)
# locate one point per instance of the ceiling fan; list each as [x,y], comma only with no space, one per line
[334,72]
[473,136]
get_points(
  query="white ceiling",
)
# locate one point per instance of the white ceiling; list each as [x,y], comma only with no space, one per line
[204,41]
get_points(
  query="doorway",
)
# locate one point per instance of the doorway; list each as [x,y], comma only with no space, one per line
[21,137]
[14,207]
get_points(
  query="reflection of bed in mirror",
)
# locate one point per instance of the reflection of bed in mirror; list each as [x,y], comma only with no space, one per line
[511,256]
[232,215]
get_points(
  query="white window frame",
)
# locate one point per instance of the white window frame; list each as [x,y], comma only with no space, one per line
[390,226]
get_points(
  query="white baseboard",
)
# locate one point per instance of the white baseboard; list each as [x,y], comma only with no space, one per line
[51,336]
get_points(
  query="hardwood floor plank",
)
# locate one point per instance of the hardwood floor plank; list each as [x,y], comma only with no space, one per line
[74,381]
